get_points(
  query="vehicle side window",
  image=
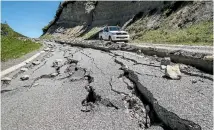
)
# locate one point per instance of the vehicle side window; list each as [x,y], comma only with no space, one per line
[105,29]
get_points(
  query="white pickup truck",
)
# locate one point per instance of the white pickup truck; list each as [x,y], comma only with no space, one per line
[114,34]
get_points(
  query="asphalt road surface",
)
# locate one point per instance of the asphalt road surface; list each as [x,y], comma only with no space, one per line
[85,89]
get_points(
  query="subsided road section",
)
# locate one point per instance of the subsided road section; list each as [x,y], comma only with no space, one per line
[99,89]
[190,56]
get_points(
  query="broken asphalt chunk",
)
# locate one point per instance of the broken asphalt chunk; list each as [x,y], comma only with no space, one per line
[6,79]
[25,77]
[24,69]
[57,63]
[54,74]
[36,62]
[47,49]
[173,72]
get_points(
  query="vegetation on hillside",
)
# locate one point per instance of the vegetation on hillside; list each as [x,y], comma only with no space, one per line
[12,46]
[91,33]
[201,34]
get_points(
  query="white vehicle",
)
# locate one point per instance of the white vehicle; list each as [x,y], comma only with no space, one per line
[114,34]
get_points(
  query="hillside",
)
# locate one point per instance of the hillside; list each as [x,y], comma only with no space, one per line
[183,22]
[14,45]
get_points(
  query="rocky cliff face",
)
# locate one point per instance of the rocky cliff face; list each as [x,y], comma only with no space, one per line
[89,14]
[79,18]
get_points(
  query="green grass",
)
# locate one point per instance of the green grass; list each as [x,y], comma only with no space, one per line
[198,34]
[7,30]
[46,36]
[92,32]
[12,47]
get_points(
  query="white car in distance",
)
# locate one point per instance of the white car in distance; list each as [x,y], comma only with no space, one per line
[114,34]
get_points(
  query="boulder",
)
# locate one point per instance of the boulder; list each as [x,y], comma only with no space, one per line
[173,72]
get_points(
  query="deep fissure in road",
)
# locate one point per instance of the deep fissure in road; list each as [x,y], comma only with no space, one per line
[151,115]
[169,120]
[136,99]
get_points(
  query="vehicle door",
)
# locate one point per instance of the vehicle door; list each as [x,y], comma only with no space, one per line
[105,33]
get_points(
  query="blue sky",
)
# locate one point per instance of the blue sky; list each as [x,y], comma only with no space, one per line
[28,17]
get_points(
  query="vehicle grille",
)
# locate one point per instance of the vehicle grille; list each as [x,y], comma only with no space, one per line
[121,33]
[121,37]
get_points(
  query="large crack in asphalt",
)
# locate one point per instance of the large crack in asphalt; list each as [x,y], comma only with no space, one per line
[134,61]
[157,112]
[141,103]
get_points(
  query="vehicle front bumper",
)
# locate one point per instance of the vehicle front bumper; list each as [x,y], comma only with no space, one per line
[120,37]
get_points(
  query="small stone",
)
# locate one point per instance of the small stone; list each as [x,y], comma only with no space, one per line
[86,78]
[6,79]
[163,67]
[54,74]
[47,49]
[147,108]
[173,72]
[52,50]
[24,69]
[25,77]
[36,62]
[194,81]
[139,51]
[166,61]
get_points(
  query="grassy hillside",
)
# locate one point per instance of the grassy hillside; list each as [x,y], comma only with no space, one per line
[198,34]
[13,47]
[180,23]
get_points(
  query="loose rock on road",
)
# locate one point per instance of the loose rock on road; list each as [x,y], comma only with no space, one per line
[75,88]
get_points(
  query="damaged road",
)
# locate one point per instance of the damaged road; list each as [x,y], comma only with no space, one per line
[94,89]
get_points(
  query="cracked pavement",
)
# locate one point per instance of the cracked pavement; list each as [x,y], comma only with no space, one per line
[94,90]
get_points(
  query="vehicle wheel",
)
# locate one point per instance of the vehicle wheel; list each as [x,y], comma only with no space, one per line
[126,41]
[110,39]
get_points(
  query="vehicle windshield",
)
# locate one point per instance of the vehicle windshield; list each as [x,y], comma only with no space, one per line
[114,28]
